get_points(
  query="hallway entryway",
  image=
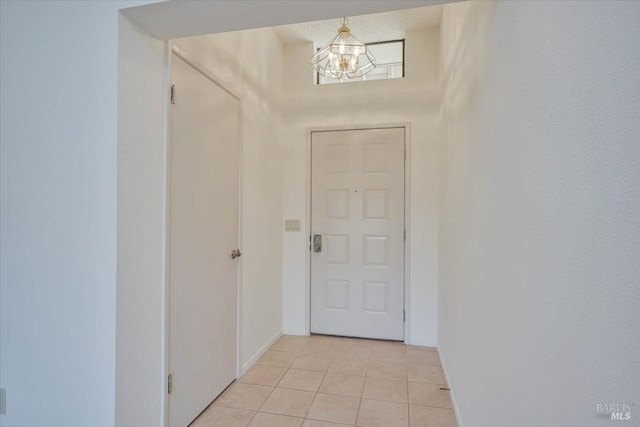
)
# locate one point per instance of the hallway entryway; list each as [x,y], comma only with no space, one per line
[323,381]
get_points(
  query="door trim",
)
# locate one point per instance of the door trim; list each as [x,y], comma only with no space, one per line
[407,212]
[172,49]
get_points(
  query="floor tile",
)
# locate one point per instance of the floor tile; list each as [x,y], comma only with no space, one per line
[263,375]
[343,385]
[421,348]
[358,351]
[389,353]
[312,362]
[352,340]
[320,337]
[427,416]
[282,359]
[320,348]
[335,409]
[302,380]
[429,395]
[316,423]
[383,343]
[263,419]
[348,366]
[418,357]
[283,401]
[290,344]
[384,389]
[374,413]
[244,396]
[389,370]
[334,382]
[324,342]
[219,416]
[425,374]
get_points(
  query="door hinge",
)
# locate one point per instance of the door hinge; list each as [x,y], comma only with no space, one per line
[404,315]
[405,155]
[405,234]
[173,94]
[3,401]
[170,384]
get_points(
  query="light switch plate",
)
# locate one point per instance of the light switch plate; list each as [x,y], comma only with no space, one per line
[291,225]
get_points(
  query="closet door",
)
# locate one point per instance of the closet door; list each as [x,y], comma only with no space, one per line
[203,232]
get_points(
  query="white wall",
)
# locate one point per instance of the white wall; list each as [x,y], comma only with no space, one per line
[58,219]
[539,223]
[140,316]
[413,99]
[250,63]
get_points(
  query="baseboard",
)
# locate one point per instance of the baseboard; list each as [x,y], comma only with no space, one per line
[260,352]
[451,393]
[421,343]
[299,332]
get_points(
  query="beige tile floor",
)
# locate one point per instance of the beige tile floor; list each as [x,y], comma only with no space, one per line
[322,381]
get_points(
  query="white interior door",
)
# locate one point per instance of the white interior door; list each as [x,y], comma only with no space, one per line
[203,278]
[357,199]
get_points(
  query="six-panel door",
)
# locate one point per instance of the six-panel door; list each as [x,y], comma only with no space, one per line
[357,199]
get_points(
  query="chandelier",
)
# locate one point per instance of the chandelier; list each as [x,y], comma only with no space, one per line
[344,56]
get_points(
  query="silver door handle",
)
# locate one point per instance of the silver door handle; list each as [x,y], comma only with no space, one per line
[235,253]
[317,243]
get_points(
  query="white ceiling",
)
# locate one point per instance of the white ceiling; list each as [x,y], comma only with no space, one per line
[368,28]
[185,18]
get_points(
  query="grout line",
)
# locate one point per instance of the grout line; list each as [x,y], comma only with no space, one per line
[274,387]
[323,377]
[325,372]
[360,403]
[391,401]
[431,406]
[425,382]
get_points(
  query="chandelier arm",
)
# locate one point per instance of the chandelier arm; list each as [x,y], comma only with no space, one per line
[344,56]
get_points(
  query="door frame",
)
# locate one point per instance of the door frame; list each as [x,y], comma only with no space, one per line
[172,49]
[407,211]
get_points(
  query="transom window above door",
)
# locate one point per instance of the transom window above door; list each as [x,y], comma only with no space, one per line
[389,63]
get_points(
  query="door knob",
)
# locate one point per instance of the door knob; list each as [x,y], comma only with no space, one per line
[235,253]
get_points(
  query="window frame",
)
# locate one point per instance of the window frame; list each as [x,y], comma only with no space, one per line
[373,44]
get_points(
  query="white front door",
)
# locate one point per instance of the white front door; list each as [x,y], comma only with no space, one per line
[203,224]
[357,228]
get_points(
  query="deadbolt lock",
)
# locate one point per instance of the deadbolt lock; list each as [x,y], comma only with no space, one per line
[317,243]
